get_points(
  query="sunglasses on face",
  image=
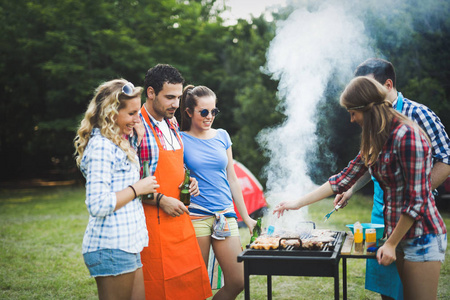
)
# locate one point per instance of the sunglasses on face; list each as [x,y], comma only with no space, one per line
[128,89]
[204,113]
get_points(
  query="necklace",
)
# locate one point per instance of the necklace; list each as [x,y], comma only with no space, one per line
[165,138]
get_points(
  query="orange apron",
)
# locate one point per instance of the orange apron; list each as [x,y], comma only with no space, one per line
[173,264]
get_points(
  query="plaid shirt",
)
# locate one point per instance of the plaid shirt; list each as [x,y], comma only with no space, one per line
[108,170]
[148,149]
[431,124]
[403,170]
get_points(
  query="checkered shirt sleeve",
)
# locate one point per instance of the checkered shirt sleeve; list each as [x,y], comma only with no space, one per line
[343,181]
[432,125]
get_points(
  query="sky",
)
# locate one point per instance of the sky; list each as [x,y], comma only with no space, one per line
[243,9]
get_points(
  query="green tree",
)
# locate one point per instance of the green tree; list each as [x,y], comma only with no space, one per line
[53,54]
[255,105]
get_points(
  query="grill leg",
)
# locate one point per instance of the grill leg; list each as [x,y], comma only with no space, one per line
[336,282]
[344,278]
[269,287]
[246,282]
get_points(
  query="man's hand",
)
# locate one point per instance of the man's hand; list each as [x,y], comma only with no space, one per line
[173,206]
[140,132]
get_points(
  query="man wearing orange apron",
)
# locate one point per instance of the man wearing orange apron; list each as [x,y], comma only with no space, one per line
[173,264]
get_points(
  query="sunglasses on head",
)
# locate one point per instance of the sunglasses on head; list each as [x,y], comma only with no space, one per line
[204,113]
[128,89]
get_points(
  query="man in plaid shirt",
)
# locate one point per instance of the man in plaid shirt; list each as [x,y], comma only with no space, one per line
[383,71]
[381,279]
[397,152]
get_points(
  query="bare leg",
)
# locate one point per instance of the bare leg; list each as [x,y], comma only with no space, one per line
[400,262]
[121,286]
[419,279]
[205,243]
[138,292]
[226,252]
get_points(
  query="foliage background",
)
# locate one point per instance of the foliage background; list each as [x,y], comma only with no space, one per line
[54,53]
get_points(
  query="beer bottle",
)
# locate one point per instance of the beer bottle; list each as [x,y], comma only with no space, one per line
[256,230]
[146,173]
[185,196]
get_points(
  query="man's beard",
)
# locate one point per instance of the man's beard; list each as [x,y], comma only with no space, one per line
[161,112]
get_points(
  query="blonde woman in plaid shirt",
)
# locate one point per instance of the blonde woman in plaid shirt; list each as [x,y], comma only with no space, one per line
[398,154]
[116,232]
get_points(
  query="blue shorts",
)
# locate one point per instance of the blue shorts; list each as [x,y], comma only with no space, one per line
[111,262]
[428,247]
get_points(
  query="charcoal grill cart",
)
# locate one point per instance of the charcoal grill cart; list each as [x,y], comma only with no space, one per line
[281,262]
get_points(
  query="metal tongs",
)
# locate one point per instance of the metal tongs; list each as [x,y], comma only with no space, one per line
[327,216]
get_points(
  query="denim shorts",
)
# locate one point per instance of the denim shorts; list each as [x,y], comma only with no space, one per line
[428,247]
[205,227]
[111,262]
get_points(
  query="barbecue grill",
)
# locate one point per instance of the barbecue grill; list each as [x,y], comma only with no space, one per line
[301,262]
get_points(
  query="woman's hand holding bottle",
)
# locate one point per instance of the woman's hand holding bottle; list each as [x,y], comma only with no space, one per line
[251,224]
[146,185]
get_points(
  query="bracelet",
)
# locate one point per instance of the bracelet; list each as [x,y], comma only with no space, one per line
[158,199]
[134,191]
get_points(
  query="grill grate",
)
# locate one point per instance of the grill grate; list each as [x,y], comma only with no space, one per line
[327,247]
[306,241]
[294,262]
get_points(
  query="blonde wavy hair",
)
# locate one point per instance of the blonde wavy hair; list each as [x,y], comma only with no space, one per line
[102,113]
[367,95]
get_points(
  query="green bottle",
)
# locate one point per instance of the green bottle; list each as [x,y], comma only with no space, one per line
[146,173]
[256,230]
[185,196]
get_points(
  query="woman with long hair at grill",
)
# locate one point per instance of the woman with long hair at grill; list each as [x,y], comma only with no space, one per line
[398,154]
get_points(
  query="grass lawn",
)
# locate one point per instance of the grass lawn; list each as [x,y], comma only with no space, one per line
[41,231]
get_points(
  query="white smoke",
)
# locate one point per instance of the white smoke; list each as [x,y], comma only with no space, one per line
[310,48]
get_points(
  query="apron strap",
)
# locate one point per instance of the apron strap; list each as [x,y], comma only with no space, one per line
[399,106]
[169,123]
